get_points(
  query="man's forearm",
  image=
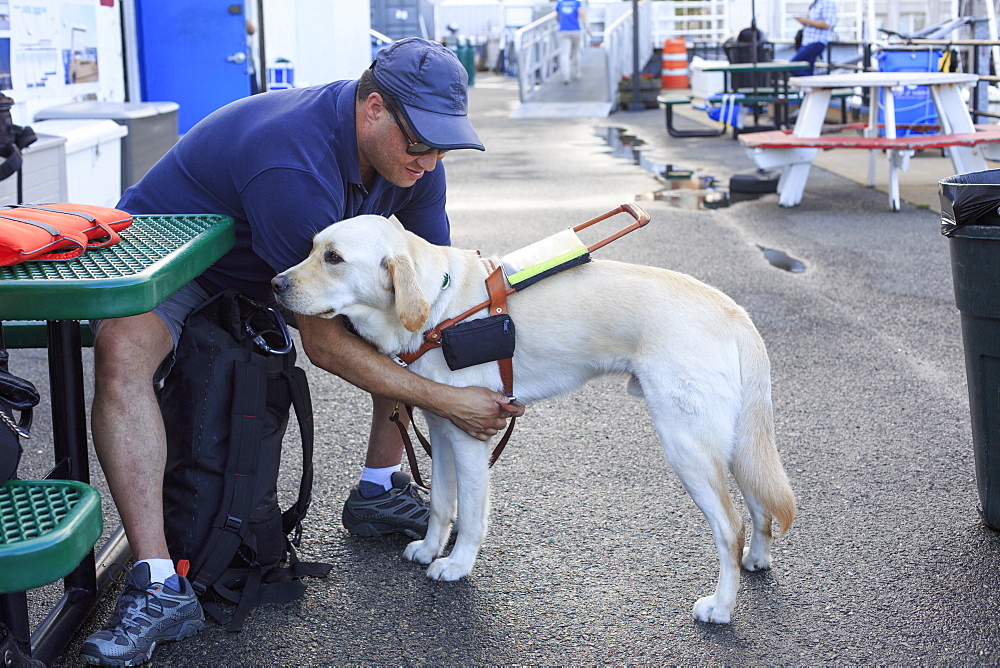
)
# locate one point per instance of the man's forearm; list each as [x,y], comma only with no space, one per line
[332,348]
[814,23]
[478,411]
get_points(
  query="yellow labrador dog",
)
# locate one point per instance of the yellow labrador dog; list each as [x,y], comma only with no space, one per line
[688,349]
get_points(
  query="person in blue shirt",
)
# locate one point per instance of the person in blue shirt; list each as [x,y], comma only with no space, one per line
[817,32]
[284,165]
[572,24]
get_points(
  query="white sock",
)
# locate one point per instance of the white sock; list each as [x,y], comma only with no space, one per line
[381,477]
[159,569]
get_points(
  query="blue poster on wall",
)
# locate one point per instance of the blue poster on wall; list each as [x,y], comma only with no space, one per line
[6,80]
[79,43]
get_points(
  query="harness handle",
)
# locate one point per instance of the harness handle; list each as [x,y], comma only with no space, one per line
[637,212]
[432,337]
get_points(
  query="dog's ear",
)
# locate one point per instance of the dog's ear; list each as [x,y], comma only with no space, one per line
[412,306]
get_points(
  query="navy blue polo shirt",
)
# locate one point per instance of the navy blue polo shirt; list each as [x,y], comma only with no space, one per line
[284,165]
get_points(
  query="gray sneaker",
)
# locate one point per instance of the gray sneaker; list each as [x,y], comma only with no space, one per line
[402,509]
[147,614]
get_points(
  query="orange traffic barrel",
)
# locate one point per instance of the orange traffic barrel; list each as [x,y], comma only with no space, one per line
[674,68]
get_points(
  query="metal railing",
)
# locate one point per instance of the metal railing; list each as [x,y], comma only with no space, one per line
[537,54]
[693,20]
[536,50]
[618,47]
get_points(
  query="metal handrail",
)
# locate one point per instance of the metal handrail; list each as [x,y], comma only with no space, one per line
[538,57]
[617,46]
[536,50]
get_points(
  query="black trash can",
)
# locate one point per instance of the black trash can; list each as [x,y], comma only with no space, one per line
[741,50]
[970,218]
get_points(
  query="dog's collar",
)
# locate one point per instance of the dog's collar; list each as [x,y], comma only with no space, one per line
[496,287]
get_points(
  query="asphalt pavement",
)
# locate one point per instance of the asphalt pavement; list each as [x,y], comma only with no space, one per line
[596,554]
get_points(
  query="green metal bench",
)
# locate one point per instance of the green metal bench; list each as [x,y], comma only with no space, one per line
[33,334]
[47,530]
[47,527]
[749,96]
[668,101]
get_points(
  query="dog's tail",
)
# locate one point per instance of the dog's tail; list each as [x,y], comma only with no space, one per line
[756,465]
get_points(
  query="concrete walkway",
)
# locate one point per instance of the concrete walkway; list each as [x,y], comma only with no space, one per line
[596,553]
[586,97]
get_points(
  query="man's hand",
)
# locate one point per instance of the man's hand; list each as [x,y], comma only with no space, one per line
[479,412]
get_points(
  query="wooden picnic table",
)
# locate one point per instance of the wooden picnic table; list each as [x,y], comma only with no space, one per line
[794,155]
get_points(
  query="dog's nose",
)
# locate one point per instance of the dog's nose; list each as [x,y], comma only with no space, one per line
[280,284]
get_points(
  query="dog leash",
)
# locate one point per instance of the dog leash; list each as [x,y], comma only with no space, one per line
[411,455]
[496,287]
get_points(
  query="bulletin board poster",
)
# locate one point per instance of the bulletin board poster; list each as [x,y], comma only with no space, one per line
[6,79]
[47,44]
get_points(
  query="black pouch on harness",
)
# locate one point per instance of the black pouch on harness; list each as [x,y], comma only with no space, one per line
[225,406]
[478,341]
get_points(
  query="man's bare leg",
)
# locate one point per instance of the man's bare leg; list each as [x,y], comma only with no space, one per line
[131,445]
[128,428]
[385,445]
[384,501]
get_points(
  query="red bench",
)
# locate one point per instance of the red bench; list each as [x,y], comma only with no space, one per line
[984,134]
[794,155]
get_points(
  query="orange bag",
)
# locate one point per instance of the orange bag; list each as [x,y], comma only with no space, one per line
[57,231]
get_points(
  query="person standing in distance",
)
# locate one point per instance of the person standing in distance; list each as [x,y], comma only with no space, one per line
[817,32]
[572,23]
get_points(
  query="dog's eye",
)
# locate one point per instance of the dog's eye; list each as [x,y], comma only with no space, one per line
[333,258]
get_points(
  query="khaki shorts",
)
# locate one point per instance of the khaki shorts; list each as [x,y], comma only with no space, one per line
[174,313]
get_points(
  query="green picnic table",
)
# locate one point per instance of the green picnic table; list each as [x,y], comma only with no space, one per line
[157,255]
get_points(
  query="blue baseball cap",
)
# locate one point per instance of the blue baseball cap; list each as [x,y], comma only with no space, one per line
[430,86]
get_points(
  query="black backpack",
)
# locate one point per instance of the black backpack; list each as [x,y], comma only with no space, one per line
[225,406]
[13,139]
[18,398]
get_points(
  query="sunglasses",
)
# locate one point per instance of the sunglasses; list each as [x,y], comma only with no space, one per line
[413,147]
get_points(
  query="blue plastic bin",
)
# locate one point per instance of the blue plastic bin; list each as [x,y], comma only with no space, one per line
[914,104]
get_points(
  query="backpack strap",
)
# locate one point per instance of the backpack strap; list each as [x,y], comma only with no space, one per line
[229,530]
[279,585]
[244,600]
[251,586]
[291,519]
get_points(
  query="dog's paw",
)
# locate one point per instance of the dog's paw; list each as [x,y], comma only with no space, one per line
[707,610]
[755,562]
[420,552]
[448,569]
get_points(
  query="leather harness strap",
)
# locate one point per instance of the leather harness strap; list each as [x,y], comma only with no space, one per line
[497,288]
[498,292]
